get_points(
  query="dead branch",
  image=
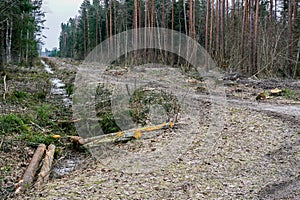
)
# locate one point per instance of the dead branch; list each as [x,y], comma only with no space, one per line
[46,168]
[38,126]
[68,121]
[31,169]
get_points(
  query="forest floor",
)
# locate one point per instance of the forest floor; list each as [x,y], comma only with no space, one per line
[256,154]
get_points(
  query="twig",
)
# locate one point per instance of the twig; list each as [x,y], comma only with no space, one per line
[38,126]
[68,121]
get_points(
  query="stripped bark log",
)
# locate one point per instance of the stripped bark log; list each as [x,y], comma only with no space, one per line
[119,136]
[46,168]
[31,169]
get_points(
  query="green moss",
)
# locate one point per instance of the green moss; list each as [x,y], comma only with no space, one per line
[12,123]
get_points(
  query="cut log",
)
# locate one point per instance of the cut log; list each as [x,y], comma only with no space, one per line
[275,92]
[122,135]
[31,169]
[46,168]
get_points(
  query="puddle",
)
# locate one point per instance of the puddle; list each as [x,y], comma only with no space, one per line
[65,167]
[58,86]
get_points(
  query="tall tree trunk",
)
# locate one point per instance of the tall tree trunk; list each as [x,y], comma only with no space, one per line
[295,12]
[223,31]
[107,22]
[84,37]
[194,20]
[211,27]
[244,28]
[251,38]
[290,36]
[8,39]
[88,31]
[163,26]
[152,34]
[97,26]
[232,16]
[191,18]
[27,47]
[172,27]
[135,26]
[110,24]
[184,15]
[271,11]
[227,11]
[256,37]
[207,24]
[115,17]
[146,25]
[275,7]
[217,43]
[153,13]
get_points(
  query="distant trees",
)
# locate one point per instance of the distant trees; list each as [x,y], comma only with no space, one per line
[21,24]
[252,36]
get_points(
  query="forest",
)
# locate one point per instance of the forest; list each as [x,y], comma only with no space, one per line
[251,36]
[21,25]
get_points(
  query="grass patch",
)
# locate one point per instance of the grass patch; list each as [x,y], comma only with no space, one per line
[70,89]
[43,113]
[290,94]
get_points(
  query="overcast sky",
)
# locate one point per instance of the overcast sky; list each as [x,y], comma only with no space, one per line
[57,11]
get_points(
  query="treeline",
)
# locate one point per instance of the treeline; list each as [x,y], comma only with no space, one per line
[21,24]
[251,36]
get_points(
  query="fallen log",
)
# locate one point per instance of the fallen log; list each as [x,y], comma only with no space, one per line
[120,136]
[46,168]
[31,169]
